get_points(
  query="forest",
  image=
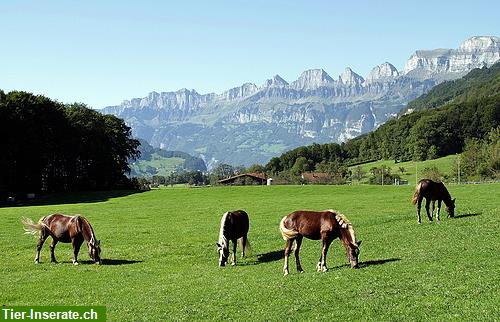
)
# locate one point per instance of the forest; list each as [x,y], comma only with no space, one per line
[52,147]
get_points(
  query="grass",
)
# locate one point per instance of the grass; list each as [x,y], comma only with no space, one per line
[164,166]
[444,164]
[161,263]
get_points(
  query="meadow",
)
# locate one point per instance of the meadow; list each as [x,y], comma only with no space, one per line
[160,260]
[412,169]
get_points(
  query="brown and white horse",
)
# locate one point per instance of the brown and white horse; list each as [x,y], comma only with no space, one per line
[233,226]
[65,229]
[432,191]
[325,225]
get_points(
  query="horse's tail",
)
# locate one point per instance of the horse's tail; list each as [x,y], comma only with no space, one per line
[30,227]
[285,232]
[246,246]
[416,194]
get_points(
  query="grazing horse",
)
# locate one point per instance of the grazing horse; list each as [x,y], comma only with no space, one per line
[325,225]
[233,225]
[432,191]
[65,229]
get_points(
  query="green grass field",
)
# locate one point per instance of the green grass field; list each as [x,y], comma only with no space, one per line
[413,169]
[164,166]
[160,261]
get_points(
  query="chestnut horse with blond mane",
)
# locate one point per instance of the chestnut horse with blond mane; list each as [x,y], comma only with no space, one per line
[325,225]
[65,229]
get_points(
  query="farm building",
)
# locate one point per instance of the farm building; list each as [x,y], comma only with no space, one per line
[316,177]
[246,179]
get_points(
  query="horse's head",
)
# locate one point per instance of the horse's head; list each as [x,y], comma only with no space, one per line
[354,254]
[95,251]
[223,254]
[450,208]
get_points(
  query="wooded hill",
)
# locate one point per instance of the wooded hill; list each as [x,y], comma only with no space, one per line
[444,119]
[156,161]
[47,146]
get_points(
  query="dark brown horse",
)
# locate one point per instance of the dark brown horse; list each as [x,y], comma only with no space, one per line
[233,226]
[432,191]
[65,229]
[325,225]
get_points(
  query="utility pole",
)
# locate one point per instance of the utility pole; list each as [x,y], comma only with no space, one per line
[416,174]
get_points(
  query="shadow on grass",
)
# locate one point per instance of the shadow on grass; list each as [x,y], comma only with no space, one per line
[465,216]
[378,262]
[119,261]
[74,197]
[275,255]
[370,263]
[112,262]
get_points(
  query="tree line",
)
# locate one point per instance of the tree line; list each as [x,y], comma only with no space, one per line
[52,147]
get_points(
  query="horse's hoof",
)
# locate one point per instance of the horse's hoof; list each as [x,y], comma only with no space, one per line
[233,264]
[75,263]
[37,262]
[285,273]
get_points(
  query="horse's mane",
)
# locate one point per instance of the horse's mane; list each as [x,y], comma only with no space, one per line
[445,191]
[223,223]
[91,239]
[345,225]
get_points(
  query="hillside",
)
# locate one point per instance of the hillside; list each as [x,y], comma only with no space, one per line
[155,161]
[412,171]
[252,123]
[478,83]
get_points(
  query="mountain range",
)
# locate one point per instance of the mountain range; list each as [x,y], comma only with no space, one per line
[252,123]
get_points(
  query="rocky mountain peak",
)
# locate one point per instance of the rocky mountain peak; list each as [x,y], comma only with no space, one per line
[348,77]
[480,43]
[382,72]
[475,52]
[244,90]
[276,81]
[312,79]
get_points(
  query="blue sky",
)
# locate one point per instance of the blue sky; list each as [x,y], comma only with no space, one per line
[102,52]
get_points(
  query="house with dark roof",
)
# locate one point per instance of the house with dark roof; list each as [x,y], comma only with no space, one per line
[245,179]
[316,177]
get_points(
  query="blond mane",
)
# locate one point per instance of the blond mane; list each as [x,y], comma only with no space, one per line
[345,224]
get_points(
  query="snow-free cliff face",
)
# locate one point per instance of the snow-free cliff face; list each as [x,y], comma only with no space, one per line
[252,123]
[475,52]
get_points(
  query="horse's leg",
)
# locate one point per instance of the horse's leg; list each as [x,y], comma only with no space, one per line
[439,209]
[419,205]
[433,209]
[288,248]
[52,247]
[233,255]
[297,249]
[427,204]
[243,245]
[77,243]
[43,236]
[324,250]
